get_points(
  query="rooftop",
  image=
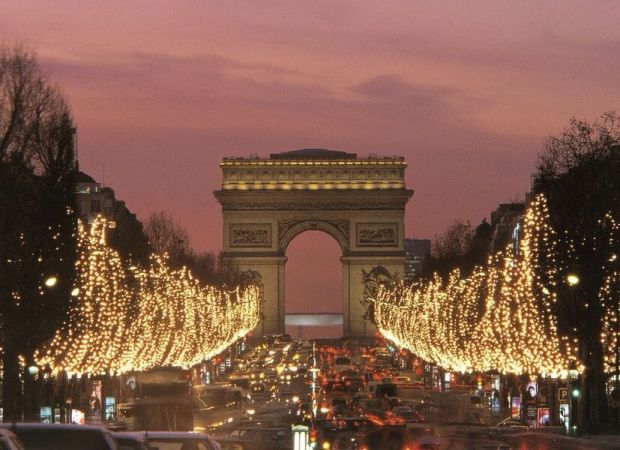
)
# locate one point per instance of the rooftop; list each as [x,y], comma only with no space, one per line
[313,153]
[81,177]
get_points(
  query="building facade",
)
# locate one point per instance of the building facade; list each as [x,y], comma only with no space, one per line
[417,252]
[127,236]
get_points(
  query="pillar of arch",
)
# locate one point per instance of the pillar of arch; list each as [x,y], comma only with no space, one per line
[360,202]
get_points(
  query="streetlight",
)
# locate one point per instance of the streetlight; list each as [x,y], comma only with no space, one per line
[575,392]
[572,279]
[51,281]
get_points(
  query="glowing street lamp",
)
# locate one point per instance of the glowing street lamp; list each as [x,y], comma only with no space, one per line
[51,281]
[572,279]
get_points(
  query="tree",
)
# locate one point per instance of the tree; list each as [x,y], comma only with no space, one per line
[213,269]
[37,218]
[165,236]
[451,249]
[579,172]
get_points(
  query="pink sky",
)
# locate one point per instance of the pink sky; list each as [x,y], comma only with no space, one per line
[466,91]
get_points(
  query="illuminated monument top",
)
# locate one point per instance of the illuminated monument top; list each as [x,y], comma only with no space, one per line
[313,169]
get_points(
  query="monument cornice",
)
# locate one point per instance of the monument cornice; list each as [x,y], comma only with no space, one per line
[341,200]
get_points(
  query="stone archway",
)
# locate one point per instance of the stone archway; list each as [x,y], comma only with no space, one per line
[359,202]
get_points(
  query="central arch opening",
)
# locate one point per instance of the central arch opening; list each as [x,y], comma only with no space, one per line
[313,282]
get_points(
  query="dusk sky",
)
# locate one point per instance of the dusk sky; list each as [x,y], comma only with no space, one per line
[466,91]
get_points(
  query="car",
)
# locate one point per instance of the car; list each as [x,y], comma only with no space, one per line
[55,436]
[509,425]
[385,390]
[255,438]
[401,380]
[342,363]
[353,383]
[259,392]
[393,419]
[171,440]
[130,441]
[407,414]
[9,441]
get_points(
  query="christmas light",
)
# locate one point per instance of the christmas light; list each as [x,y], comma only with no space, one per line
[136,319]
[499,318]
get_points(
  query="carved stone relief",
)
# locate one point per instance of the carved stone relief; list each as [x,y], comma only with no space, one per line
[250,235]
[377,234]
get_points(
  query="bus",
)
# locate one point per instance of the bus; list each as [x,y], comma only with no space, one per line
[157,399]
[164,399]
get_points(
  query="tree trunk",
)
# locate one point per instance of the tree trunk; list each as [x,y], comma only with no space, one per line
[30,406]
[594,412]
[11,385]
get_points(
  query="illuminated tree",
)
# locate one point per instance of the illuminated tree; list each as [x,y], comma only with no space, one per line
[578,172]
[499,318]
[127,318]
[37,221]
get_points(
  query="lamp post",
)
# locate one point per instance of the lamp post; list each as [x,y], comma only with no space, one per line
[572,279]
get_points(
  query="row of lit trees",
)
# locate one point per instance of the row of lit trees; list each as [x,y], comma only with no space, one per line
[40,283]
[500,318]
[126,318]
[554,305]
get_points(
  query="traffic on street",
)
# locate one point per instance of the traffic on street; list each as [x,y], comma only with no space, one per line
[284,394]
[362,395]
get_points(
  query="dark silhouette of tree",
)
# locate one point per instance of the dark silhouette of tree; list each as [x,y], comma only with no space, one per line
[579,172]
[450,249]
[166,236]
[464,248]
[37,219]
[212,268]
[461,247]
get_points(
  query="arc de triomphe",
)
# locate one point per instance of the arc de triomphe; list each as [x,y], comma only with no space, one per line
[360,202]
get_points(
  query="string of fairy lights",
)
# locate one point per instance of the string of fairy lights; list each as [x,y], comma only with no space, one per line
[500,318]
[609,296]
[130,318]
